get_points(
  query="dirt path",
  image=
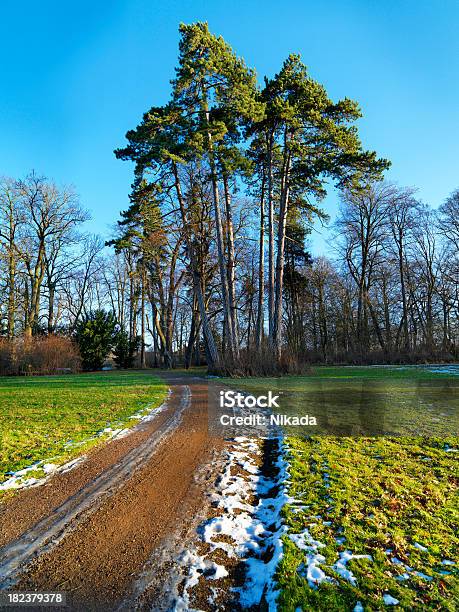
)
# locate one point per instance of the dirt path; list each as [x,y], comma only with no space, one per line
[94,531]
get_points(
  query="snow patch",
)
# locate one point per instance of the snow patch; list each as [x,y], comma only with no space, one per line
[389,600]
[452,369]
[312,572]
[341,569]
[19,480]
[422,575]
[252,531]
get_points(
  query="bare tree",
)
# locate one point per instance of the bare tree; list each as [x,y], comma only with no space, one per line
[11,219]
[52,214]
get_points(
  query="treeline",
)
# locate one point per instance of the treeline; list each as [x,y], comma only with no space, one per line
[41,253]
[56,282]
[209,264]
[391,292]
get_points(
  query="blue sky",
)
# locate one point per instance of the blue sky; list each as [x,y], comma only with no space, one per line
[76,76]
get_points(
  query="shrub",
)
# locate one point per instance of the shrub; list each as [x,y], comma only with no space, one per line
[263,363]
[125,349]
[95,335]
[6,357]
[41,355]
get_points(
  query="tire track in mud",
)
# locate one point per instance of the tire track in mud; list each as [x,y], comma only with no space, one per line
[50,530]
[30,505]
[96,544]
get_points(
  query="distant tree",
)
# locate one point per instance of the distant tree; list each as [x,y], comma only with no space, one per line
[11,220]
[125,349]
[362,226]
[52,215]
[295,282]
[402,213]
[81,289]
[95,336]
[449,219]
[425,256]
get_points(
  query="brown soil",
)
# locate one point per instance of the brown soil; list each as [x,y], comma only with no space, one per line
[102,551]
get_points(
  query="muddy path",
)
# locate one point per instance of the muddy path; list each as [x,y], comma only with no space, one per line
[102,532]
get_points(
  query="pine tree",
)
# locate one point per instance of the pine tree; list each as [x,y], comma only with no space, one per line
[314,140]
[95,337]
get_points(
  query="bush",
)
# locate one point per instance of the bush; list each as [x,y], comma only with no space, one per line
[95,336]
[263,363]
[124,349]
[40,355]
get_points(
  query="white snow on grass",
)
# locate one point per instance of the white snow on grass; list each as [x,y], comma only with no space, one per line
[314,567]
[389,600]
[19,479]
[423,576]
[305,541]
[340,566]
[252,530]
[447,369]
[407,570]
[312,571]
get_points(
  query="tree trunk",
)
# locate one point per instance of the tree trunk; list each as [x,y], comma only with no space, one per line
[323,322]
[194,333]
[211,347]
[11,294]
[445,342]
[271,269]
[165,351]
[261,270]
[227,319]
[387,324]
[281,233]
[230,267]
[51,293]
[143,363]
[406,335]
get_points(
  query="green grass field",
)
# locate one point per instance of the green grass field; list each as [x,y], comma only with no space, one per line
[55,418]
[367,401]
[394,499]
[383,497]
[385,372]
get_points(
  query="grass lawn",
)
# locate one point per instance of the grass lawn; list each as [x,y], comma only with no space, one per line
[430,372]
[55,418]
[393,500]
[367,401]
